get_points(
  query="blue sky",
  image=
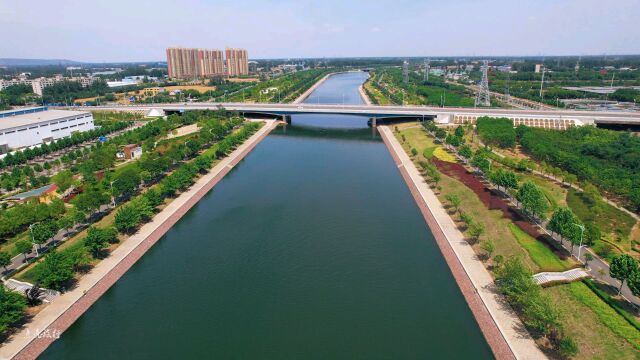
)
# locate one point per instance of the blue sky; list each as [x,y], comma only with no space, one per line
[140,30]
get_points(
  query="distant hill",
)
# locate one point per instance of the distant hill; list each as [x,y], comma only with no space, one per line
[36,62]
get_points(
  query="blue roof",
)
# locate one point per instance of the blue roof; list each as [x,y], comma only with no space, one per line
[22,111]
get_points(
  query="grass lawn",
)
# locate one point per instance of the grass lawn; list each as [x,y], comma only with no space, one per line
[496,226]
[376,94]
[599,331]
[555,194]
[9,245]
[615,224]
[539,253]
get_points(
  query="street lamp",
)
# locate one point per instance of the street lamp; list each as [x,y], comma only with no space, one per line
[33,239]
[113,198]
[581,234]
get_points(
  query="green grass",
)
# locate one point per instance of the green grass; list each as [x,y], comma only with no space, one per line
[612,221]
[582,311]
[539,253]
[606,313]
[428,152]
[555,194]
[620,305]
[9,245]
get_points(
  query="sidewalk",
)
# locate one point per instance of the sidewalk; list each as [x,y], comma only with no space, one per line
[501,327]
[47,325]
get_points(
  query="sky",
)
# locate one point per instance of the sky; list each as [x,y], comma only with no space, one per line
[140,30]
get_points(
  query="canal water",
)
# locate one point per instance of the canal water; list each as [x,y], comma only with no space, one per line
[311,248]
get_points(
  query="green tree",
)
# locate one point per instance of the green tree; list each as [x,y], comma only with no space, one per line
[532,199]
[55,271]
[623,267]
[564,222]
[12,308]
[24,247]
[454,200]
[504,179]
[42,232]
[459,132]
[64,180]
[488,247]
[465,152]
[5,260]
[98,239]
[126,182]
[476,230]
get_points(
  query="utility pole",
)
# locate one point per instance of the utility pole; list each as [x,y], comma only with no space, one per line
[427,67]
[482,97]
[542,81]
[405,72]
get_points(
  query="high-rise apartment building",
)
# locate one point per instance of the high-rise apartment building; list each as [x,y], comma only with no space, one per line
[237,62]
[185,63]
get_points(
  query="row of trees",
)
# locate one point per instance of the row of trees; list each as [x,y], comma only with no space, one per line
[59,267]
[20,157]
[496,131]
[608,159]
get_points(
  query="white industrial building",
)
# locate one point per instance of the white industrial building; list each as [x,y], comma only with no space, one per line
[28,127]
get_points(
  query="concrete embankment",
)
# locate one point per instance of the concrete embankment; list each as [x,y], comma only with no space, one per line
[363,95]
[306,94]
[500,325]
[46,326]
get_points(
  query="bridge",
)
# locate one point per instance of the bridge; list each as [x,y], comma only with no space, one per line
[545,118]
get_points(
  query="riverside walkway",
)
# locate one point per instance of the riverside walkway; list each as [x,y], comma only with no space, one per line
[502,328]
[46,326]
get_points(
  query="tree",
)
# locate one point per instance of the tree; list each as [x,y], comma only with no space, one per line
[64,180]
[564,221]
[504,178]
[459,132]
[5,260]
[12,306]
[126,182]
[465,151]
[91,199]
[455,201]
[43,231]
[481,162]
[587,258]
[98,239]
[440,133]
[66,222]
[488,248]
[623,267]
[55,271]
[476,230]
[533,200]
[24,247]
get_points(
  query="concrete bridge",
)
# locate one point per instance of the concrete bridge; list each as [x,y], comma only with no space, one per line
[546,118]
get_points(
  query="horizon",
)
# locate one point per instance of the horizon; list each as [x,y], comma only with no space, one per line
[299,30]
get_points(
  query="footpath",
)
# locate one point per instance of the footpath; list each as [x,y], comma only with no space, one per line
[503,330]
[48,325]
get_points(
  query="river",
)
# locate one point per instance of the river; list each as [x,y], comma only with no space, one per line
[311,248]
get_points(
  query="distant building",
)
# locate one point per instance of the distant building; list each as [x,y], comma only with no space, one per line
[32,126]
[37,85]
[538,68]
[185,63]
[237,62]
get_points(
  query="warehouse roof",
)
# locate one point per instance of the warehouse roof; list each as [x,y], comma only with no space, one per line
[37,117]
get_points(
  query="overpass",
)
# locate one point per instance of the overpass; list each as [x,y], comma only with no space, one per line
[545,118]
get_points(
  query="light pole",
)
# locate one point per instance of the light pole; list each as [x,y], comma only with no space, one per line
[33,239]
[113,198]
[581,227]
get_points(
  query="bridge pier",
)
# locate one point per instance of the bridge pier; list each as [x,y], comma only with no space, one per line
[374,122]
[286,118]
